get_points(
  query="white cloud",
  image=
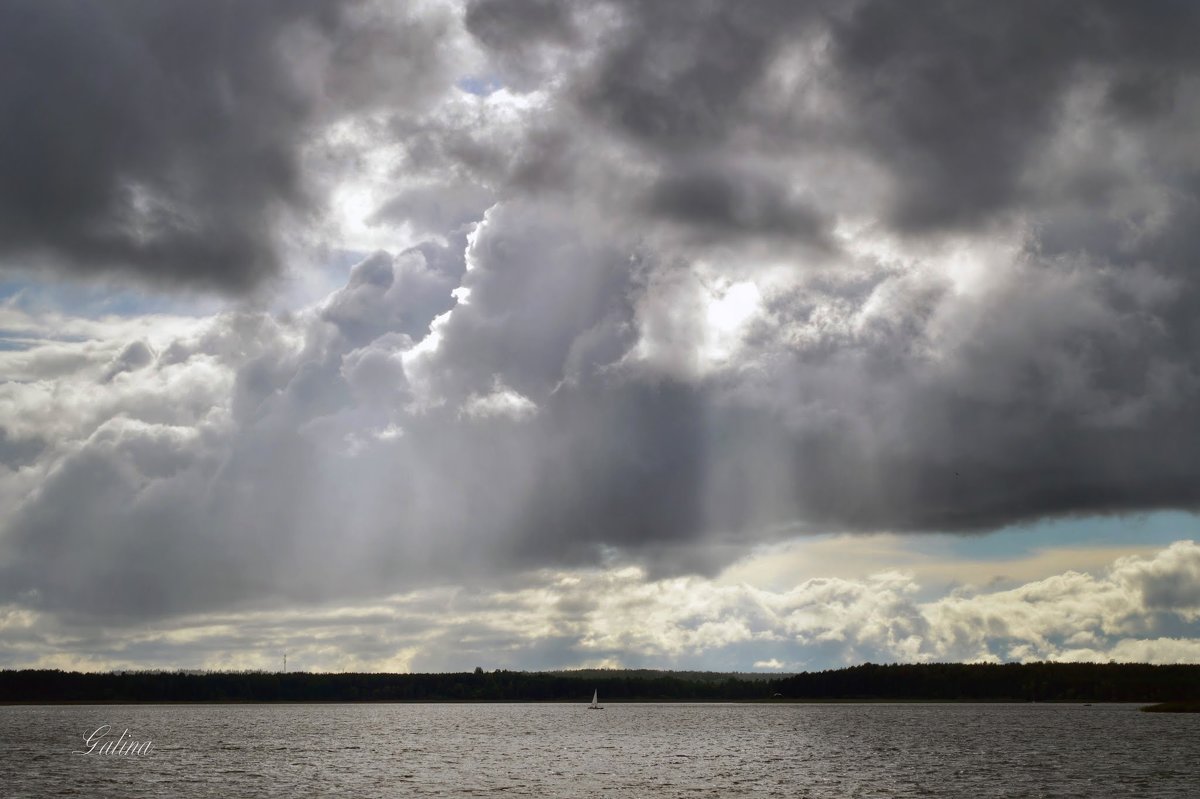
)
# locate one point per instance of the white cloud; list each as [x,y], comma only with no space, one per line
[500,402]
[621,615]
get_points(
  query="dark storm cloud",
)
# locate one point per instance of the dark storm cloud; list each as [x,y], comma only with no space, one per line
[522,33]
[702,275]
[955,98]
[513,24]
[678,74]
[725,205]
[975,115]
[163,139]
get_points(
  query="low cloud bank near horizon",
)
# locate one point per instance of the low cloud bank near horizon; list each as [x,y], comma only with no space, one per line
[641,283]
[1137,609]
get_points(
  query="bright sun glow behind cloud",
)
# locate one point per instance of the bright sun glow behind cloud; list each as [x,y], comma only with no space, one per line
[727,316]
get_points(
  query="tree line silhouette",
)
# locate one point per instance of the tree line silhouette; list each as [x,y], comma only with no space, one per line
[1040,682]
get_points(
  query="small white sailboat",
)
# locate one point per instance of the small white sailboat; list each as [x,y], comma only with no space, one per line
[595,704]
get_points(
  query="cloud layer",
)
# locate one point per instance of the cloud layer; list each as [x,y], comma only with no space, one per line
[171,140]
[652,281]
[1138,609]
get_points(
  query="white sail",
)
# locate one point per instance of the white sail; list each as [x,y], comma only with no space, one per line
[595,698]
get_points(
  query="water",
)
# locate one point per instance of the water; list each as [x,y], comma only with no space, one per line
[972,751]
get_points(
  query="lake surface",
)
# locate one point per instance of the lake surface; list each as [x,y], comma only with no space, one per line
[553,750]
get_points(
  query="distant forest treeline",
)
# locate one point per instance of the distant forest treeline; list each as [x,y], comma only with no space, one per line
[1042,682]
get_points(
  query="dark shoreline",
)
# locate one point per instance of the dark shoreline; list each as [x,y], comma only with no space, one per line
[937,682]
[1147,706]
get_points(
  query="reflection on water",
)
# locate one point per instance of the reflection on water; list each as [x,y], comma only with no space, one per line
[672,750]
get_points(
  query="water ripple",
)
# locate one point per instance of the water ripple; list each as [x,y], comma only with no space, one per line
[813,751]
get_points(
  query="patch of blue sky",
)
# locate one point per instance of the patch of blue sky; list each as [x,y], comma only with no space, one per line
[94,300]
[1151,529]
[480,85]
[21,339]
[10,288]
[11,341]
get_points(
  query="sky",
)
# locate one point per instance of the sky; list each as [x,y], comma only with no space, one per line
[766,336]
